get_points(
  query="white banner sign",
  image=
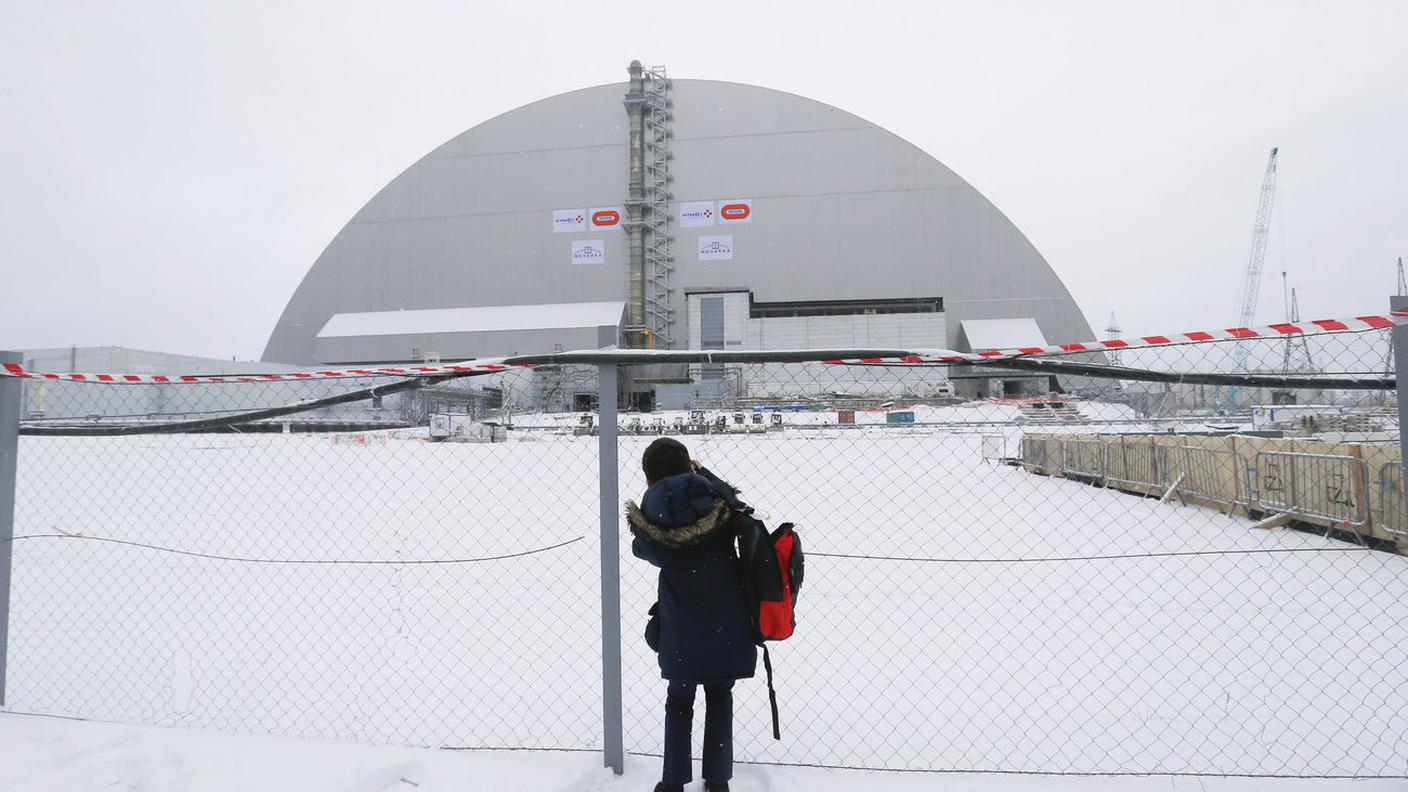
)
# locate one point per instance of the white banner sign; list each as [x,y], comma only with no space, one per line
[716,248]
[565,221]
[736,210]
[606,218]
[694,214]
[589,251]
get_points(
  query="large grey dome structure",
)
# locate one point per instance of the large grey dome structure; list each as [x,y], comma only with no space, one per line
[839,234]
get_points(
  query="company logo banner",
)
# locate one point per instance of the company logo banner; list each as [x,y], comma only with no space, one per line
[589,251]
[606,218]
[716,248]
[736,210]
[565,221]
[694,214]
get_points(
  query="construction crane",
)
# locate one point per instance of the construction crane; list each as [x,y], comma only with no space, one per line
[1251,287]
[1228,398]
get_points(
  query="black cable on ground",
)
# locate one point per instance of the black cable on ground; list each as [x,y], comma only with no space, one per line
[297,561]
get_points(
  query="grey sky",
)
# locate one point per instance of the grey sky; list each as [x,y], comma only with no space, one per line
[171,170]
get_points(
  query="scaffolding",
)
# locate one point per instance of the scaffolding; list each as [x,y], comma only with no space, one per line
[659,262]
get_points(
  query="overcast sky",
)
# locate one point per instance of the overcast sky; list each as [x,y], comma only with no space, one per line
[171,170]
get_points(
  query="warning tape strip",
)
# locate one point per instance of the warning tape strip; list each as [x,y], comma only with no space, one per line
[475,367]
[1355,324]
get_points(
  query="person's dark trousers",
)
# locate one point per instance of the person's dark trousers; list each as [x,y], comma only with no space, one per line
[718,732]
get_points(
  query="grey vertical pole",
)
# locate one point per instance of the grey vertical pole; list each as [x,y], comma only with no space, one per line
[1400,355]
[610,571]
[9,457]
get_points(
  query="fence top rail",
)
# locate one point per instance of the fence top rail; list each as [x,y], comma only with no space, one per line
[1223,451]
[1309,455]
[1352,324]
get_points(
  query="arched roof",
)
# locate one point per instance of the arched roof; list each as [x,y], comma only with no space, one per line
[842,209]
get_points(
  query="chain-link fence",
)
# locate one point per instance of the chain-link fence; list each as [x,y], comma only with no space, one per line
[1186,560]
[363,584]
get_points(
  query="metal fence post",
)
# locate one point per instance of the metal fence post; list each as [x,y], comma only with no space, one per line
[610,571]
[9,457]
[1400,354]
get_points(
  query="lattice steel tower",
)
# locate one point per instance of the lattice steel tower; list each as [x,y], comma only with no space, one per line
[1112,333]
[659,262]
[649,318]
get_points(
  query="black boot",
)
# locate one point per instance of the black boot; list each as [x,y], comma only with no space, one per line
[664,787]
[715,786]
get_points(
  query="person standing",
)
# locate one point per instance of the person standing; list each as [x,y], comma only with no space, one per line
[700,628]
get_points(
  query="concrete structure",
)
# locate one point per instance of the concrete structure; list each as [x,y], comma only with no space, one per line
[813,226]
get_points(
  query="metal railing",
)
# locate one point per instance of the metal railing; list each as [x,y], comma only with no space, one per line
[1085,458]
[1214,475]
[1210,474]
[1133,466]
[1393,514]
[1325,486]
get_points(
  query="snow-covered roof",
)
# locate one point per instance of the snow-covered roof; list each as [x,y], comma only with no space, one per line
[546,316]
[1002,333]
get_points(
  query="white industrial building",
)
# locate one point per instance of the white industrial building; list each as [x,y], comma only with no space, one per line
[677,214]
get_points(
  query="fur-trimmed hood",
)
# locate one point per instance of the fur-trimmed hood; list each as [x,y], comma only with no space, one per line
[715,522]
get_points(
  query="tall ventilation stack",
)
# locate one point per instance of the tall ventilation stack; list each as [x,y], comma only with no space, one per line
[635,209]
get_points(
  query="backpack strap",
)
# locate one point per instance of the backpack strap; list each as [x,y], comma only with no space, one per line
[772,694]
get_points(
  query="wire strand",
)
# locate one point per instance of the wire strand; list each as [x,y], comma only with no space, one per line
[311,562]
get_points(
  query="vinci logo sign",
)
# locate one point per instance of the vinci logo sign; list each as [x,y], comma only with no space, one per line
[565,221]
[606,218]
[737,210]
[589,251]
[694,214]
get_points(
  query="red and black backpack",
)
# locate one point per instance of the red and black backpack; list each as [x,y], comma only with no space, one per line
[771,565]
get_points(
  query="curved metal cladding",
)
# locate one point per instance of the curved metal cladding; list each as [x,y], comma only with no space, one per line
[841,209]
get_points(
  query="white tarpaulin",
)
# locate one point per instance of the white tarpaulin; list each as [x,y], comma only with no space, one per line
[716,248]
[1002,333]
[589,251]
[568,220]
[492,318]
[694,214]
[606,218]
[735,210]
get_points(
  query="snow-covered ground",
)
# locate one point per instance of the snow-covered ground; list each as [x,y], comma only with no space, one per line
[50,755]
[957,614]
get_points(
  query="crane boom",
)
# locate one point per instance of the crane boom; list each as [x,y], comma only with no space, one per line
[1251,289]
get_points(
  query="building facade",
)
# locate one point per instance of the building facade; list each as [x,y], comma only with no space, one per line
[719,215]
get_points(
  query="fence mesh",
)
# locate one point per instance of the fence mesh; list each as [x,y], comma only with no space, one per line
[366,585]
[1009,569]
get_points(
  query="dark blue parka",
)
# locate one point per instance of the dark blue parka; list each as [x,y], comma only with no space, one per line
[684,528]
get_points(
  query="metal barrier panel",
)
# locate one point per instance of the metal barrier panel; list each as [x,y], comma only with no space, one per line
[1035,453]
[1210,474]
[1325,486]
[1083,458]
[1393,516]
[1137,465]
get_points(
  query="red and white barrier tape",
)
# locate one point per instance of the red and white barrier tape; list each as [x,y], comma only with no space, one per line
[469,367]
[1318,327]
[1356,324]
